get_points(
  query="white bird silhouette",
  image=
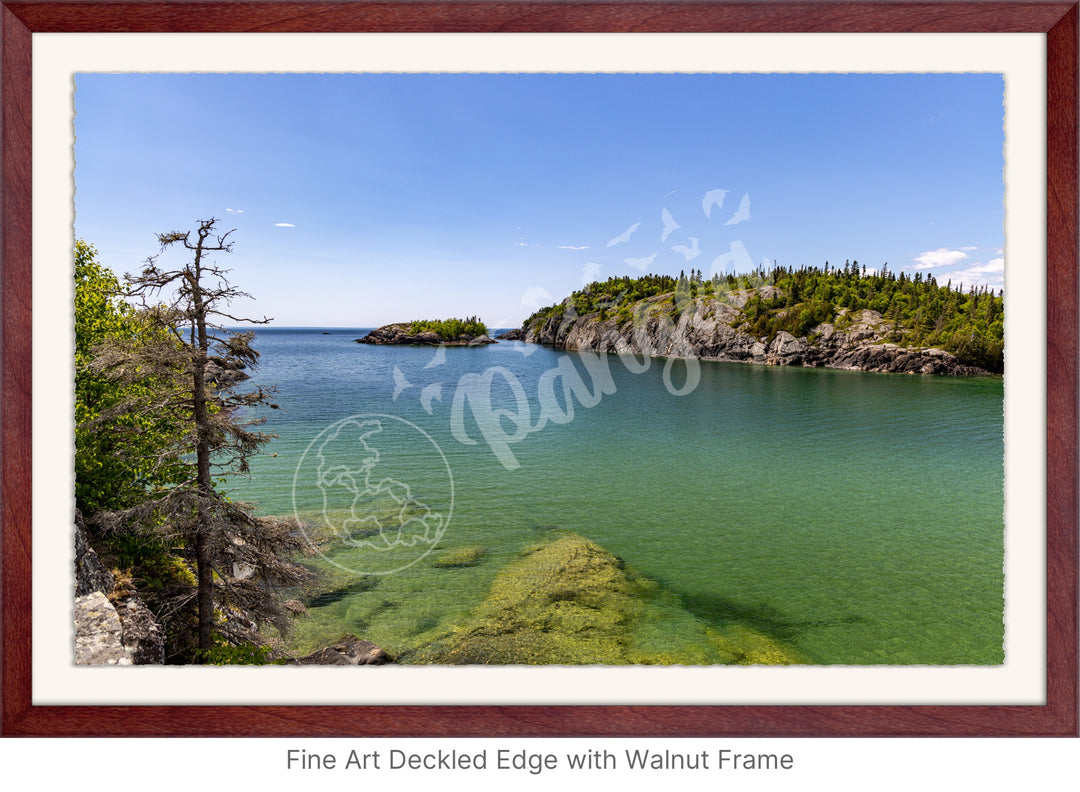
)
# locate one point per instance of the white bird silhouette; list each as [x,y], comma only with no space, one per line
[712,198]
[536,298]
[742,213]
[624,236]
[669,225]
[524,349]
[431,392]
[691,252]
[640,263]
[737,256]
[400,383]
[439,359]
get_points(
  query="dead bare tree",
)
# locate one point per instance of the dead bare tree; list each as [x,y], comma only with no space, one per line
[240,560]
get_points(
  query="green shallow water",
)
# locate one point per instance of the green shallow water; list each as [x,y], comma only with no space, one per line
[852,518]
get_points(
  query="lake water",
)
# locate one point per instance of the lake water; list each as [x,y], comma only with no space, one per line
[854,518]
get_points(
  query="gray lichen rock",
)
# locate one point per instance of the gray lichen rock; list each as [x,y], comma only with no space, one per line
[106,634]
[90,573]
[98,635]
[141,634]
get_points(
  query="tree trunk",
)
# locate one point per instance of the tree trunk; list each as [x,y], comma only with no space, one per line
[204,484]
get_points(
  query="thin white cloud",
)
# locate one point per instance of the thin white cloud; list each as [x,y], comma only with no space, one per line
[993,265]
[573,247]
[989,274]
[589,272]
[284,225]
[970,247]
[234,211]
[942,257]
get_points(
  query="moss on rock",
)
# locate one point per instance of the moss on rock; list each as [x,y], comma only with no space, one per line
[570,602]
[460,557]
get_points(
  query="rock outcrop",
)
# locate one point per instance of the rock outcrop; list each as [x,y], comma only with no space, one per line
[90,574]
[400,334]
[224,374]
[141,633]
[113,626]
[712,329]
[98,633]
[348,650]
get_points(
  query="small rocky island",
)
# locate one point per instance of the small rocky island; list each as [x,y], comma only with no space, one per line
[447,332]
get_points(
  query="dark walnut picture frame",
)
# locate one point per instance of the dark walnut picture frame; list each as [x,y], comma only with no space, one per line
[1057,20]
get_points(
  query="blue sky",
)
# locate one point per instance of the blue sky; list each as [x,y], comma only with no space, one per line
[359,200]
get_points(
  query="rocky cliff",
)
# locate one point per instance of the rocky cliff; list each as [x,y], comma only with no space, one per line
[712,329]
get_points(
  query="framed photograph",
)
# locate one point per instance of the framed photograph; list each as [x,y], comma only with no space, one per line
[630,444]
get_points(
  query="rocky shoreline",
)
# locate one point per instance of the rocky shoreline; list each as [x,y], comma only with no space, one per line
[400,334]
[113,626]
[714,330]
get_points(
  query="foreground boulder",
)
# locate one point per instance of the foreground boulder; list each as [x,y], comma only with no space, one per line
[141,634]
[98,635]
[349,650]
[113,626]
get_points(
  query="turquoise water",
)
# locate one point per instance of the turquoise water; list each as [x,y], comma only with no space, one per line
[854,518]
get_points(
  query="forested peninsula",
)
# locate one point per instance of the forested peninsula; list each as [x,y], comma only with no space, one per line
[841,318]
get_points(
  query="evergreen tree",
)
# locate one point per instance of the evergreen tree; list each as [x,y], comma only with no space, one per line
[239,559]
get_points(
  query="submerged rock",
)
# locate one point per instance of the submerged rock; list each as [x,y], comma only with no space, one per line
[570,602]
[460,557]
[358,585]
